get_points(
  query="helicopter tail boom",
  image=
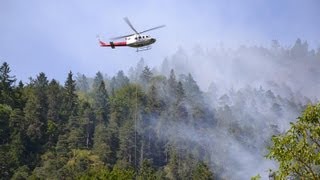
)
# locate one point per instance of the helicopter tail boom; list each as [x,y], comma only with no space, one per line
[112,44]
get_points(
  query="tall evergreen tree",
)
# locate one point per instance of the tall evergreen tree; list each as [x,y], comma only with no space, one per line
[82,83]
[36,110]
[6,84]
[101,103]
[101,145]
[146,75]
[89,123]
[97,80]
[36,129]
[128,153]
[119,81]
[5,112]
[70,98]
[20,98]
[172,86]
[55,125]
[54,101]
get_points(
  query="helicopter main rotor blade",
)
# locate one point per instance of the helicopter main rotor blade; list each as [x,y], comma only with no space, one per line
[129,23]
[152,29]
[120,37]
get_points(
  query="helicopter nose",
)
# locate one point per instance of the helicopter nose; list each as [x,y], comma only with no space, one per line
[153,40]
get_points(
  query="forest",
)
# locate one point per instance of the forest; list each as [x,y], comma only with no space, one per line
[158,123]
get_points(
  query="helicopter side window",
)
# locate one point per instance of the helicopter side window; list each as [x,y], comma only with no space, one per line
[135,38]
[139,37]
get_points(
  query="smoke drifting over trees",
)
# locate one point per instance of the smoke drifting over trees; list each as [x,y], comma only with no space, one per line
[208,113]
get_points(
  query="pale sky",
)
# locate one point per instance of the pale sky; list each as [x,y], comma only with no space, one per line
[57,36]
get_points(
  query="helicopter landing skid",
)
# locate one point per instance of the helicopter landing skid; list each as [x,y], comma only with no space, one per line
[146,48]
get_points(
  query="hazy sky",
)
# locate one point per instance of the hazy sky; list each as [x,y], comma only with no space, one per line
[58,36]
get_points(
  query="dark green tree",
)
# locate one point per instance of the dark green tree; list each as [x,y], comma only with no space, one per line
[129,144]
[55,124]
[70,98]
[6,85]
[88,120]
[146,75]
[97,80]
[36,111]
[146,171]
[101,145]
[202,172]
[101,103]
[119,81]
[5,112]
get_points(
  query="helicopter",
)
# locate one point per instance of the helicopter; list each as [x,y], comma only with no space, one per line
[136,40]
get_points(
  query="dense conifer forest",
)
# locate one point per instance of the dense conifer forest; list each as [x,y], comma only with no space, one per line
[159,124]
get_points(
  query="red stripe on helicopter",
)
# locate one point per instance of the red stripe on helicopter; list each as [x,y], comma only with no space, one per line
[103,44]
[124,43]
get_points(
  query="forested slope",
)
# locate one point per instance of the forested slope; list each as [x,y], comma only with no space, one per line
[149,124]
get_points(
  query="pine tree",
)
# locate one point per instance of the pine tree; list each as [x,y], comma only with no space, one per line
[19,97]
[54,101]
[128,153]
[146,171]
[146,76]
[172,82]
[101,103]
[101,145]
[70,98]
[5,112]
[97,80]
[181,112]
[6,85]
[55,125]
[82,83]
[202,172]
[119,81]
[89,123]
[36,110]
[17,137]
[154,102]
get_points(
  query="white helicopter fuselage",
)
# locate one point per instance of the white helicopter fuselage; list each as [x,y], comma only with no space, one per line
[138,40]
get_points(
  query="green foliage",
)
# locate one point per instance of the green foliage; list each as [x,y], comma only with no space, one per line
[70,98]
[36,122]
[49,131]
[202,172]
[82,83]
[97,80]
[6,85]
[257,177]
[5,111]
[298,149]
[101,103]
[119,81]
[23,172]
[146,171]
[146,76]
[103,173]
[101,145]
